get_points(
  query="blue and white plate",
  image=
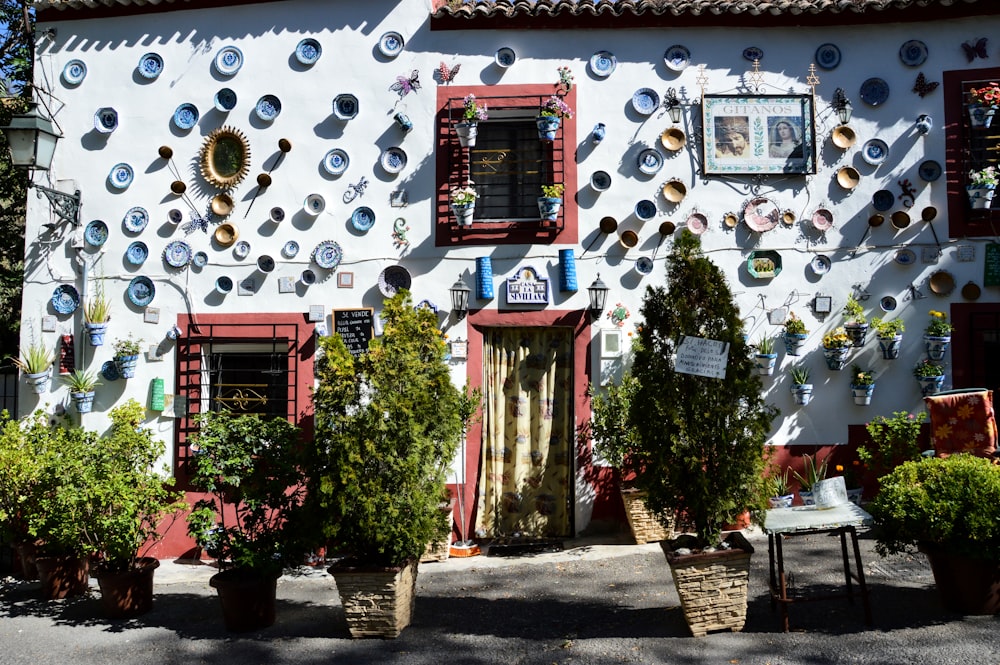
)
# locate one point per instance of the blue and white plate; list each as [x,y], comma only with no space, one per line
[929,170]
[393,160]
[644,265]
[505,57]
[242,249]
[177,254]
[135,220]
[65,299]
[186,116]
[828,56]
[109,371]
[883,200]
[141,291]
[199,260]
[390,44]
[645,101]
[150,66]
[121,176]
[874,91]
[308,51]
[875,151]
[650,161]
[228,60]
[603,64]
[752,53]
[268,108]
[175,216]
[106,120]
[905,257]
[345,106]
[137,253]
[328,255]
[225,100]
[336,161]
[913,53]
[363,218]
[645,210]
[74,72]
[677,58]
[821,264]
[290,249]
[96,233]
[887,303]
[392,279]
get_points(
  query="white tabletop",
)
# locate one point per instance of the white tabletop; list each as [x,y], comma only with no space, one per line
[811,518]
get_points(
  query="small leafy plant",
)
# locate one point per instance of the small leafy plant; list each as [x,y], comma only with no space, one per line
[472,111]
[127,346]
[862,377]
[887,328]
[854,313]
[35,359]
[836,339]
[553,191]
[895,439]
[765,346]
[938,326]
[555,106]
[82,381]
[799,374]
[926,369]
[463,195]
[98,307]
[777,482]
[988,95]
[794,325]
[987,177]
[813,471]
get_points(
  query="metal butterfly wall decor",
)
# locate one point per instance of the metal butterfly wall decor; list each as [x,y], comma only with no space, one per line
[446,75]
[923,87]
[975,49]
[404,85]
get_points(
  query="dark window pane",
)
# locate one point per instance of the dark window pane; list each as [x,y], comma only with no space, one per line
[248,382]
[509,164]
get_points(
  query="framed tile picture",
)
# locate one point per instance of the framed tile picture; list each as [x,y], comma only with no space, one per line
[345,280]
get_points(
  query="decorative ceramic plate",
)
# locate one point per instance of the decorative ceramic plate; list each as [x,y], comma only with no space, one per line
[820,264]
[141,291]
[392,279]
[268,108]
[241,250]
[135,219]
[505,56]
[225,100]
[390,44]
[345,106]
[150,65]
[308,51]
[265,263]
[328,255]
[290,249]
[644,265]
[65,299]
[186,116]
[645,209]
[200,260]
[913,53]
[96,233]
[603,64]
[673,138]
[883,199]
[226,234]
[175,216]
[137,253]
[74,72]
[121,176]
[314,204]
[650,161]
[600,180]
[177,254]
[106,120]
[905,257]
[228,60]
[752,53]
[822,219]
[887,303]
[875,151]
[828,56]
[848,177]
[874,91]
[363,218]
[645,101]
[929,171]
[393,160]
[761,214]
[677,58]
[336,161]
[730,220]
[697,223]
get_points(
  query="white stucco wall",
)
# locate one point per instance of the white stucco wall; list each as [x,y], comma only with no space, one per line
[349,32]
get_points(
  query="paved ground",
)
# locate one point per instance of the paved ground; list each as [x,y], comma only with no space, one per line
[597,603]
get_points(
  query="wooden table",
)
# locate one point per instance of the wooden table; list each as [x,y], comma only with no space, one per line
[807,520]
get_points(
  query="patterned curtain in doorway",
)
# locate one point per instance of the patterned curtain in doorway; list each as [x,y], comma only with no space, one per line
[525,465]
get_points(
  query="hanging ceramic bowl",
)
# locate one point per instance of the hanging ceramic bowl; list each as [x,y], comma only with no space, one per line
[186,116]
[603,64]
[650,161]
[175,216]
[828,56]
[645,210]
[900,219]
[363,219]
[106,120]
[673,139]
[941,282]
[677,58]
[730,220]
[644,265]
[645,101]
[887,304]
[177,254]
[752,53]
[276,214]
[787,217]
[264,180]
[225,100]
[392,279]
[96,233]
[913,53]
[393,160]
[821,264]
[667,228]
[74,72]
[843,137]
[971,291]
[150,66]
[504,57]
[761,214]
[600,181]
[874,91]
[268,108]
[875,151]
[883,200]
[137,253]
[177,187]
[674,191]
[199,260]
[822,219]
[241,250]
[308,51]
[876,220]
[65,299]
[345,106]
[336,161]
[928,214]
[905,257]
[121,176]
[391,44]
[265,263]
[608,224]
[929,170]
[697,223]
[228,60]
[628,239]
[848,177]
[226,234]
[222,205]
[290,250]
[141,291]
[314,204]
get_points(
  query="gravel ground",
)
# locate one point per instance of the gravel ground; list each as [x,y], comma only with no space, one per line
[592,603]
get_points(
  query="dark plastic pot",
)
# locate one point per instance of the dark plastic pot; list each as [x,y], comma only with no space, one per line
[247,597]
[128,593]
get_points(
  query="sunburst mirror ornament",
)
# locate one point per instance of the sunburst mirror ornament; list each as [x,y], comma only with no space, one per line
[225,157]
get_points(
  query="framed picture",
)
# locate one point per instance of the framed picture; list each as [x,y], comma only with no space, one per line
[760,134]
[611,343]
[345,280]
[823,305]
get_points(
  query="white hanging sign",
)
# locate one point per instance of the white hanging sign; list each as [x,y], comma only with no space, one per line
[702,357]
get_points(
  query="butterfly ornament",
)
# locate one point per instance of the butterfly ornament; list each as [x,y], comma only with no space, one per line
[975,49]
[404,85]
[446,75]
[923,87]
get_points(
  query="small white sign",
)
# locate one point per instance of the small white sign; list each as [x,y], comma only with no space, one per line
[702,357]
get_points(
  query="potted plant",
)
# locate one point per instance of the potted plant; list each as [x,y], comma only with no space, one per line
[852,481]
[463,203]
[36,363]
[937,335]
[982,105]
[801,389]
[949,509]
[813,471]
[96,314]
[701,440]
[126,356]
[81,388]
[862,385]
[550,116]
[779,491]
[890,336]
[130,499]
[836,346]
[388,424]
[20,477]
[855,324]
[765,356]
[894,439]
[472,113]
[251,469]
[550,201]
[982,186]
[929,375]
[795,334]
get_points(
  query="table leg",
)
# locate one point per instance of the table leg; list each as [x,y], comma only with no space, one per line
[770,562]
[847,565]
[861,578]
[782,586]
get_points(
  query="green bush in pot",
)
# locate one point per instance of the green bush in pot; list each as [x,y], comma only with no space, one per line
[20,478]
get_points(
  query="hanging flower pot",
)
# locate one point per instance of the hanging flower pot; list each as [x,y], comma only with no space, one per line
[548,208]
[84,402]
[857,333]
[936,346]
[836,358]
[765,363]
[548,125]
[890,346]
[39,381]
[930,385]
[96,331]
[464,212]
[863,394]
[463,203]
[794,342]
[126,365]
[980,116]
[980,197]
[802,393]
[467,132]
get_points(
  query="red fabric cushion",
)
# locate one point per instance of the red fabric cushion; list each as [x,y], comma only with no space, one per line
[962,423]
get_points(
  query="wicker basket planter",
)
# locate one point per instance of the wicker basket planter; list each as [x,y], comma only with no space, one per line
[378,602]
[646,528]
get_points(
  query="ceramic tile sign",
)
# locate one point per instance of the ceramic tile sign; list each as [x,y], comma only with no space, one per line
[991,269]
[355,327]
[702,357]
[527,288]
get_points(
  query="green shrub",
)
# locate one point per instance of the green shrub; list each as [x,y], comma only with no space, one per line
[894,440]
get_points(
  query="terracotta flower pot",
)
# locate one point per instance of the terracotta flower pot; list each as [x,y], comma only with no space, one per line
[63,576]
[128,593]
[966,584]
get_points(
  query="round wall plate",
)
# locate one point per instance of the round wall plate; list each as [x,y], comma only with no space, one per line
[228,60]
[74,72]
[336,161]
[268,108]
[150,65]
[391,44]
[308,51]
[603,64]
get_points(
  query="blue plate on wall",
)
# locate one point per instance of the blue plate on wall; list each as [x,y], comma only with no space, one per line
[363,218]
[141,291]
[929,171]
[336,161]
[875,151]
[650,161]
[828,56]
[913,53]
[308,51]
[883,200]
[345,106]
[150,66]
[96,233]
[228,60]
[74,72]
[603,64]
[874,91]
[390,44]
[677,58]
[135,219]
[121,176]
[186,116]
[65,299]
[137,253]
[225,100]
[645,101]
[268,108]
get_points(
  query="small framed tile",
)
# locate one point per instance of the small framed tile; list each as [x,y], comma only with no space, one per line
[399,198]
[48,323]
[316,313]
[151,315]
[345,280]
[460,349]
[966,253]
[930,254]
[286,285]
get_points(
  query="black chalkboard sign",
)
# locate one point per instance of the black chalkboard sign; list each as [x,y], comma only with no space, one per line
[355,327]
[991,270]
